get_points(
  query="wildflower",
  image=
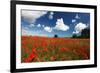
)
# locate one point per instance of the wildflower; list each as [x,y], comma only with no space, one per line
[53,58]
[45,50]
[32,55]
[34,50]
[64,49]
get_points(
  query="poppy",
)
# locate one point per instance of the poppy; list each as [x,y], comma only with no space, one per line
[34,50]
[45,50]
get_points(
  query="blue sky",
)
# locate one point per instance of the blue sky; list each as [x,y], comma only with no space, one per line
[49,23]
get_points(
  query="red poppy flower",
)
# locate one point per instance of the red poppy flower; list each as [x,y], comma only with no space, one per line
[32,55]
[34,50]
[53,58]
[64,49]
[26,60]
[30,58]
[45,50]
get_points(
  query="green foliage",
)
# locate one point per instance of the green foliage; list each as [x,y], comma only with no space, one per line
[84,34]
[55,35]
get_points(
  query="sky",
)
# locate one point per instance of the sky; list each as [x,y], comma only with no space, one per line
[49,23]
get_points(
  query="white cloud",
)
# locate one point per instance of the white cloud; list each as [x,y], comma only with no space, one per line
[31,16]
[43,26]
[77,16]
[88,25]
[26,32]
[60,25]
[48,29]
[73,20]
[31,25]
[38,25]
[79,27]
[75,32]
[51,15]
[26,28]
[31,33]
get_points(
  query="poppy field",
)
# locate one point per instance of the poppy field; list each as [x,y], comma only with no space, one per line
[45,49]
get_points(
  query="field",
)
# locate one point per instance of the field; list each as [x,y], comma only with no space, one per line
[44,49]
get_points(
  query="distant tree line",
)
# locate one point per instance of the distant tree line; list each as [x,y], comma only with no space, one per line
[84,34]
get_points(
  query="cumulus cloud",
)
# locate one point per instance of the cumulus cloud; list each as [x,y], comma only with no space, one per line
[60,25]
[75,32]
[79,27]
[73,20]
[26,32]
[88,25]
[38,25]
[31,33]
[31,25]
[51,15]
[48,29]
[77,16]
[43,26]
[31,16]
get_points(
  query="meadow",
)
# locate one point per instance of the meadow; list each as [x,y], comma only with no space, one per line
[45,49]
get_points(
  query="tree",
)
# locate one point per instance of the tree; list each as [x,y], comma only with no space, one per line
[55,35]
[74,36]
[85,33]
